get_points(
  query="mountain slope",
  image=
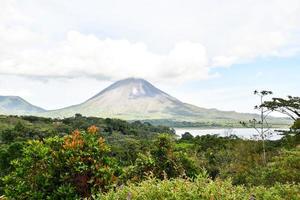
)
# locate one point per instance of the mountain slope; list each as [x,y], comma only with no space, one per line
[14,105]
[127,98]
[133,99]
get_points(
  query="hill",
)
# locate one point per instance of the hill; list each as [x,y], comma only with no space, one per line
[137,99]
[14,105]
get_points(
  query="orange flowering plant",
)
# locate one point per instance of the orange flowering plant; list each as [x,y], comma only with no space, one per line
[64,168]
[73,141]
[87,158]
[93,129]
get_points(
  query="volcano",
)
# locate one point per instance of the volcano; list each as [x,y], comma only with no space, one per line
[137,99]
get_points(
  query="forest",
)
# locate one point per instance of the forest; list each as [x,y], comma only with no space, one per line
[94,158]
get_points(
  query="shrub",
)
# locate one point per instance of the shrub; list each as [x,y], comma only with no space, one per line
[201,188]
[62,168]
[162,162]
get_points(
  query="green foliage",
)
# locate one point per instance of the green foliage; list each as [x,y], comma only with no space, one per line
[163,161]
[200,188]
[289,106]
[187,136]
[296,125]
[125,139]
[143,167]
[39,160]
[283,168]
[57,168]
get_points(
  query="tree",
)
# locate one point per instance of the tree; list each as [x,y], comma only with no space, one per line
[261,126]
[289,106]
[163,161]
[187,136]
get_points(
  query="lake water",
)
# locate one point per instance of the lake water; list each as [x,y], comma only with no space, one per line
[246,133]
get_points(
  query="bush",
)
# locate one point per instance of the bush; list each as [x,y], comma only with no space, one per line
[283,168]
[201,188]
[162,162]
[62,168]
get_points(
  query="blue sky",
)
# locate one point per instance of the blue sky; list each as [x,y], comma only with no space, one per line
[273,73]
[209,53]
[233,88]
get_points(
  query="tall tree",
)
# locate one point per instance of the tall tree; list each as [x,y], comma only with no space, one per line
[261,126]
[289,106]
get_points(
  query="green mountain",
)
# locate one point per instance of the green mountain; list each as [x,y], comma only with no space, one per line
[14,105]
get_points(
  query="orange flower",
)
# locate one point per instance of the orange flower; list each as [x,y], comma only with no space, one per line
[73,141]
[93,129]
[101,141]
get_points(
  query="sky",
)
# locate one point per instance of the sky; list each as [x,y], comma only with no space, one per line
[210,53]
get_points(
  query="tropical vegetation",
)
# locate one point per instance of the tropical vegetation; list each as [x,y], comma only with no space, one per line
[94,158]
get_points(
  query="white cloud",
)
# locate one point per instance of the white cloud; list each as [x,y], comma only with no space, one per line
[119,39]
[87,55]
[163,41]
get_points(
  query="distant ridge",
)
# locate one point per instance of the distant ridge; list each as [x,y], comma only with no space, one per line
[14,105]
[132,99]
[137,99]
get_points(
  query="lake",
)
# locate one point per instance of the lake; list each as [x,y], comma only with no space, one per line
[246,133]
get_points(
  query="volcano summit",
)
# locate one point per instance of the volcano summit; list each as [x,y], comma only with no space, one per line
[135,99]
